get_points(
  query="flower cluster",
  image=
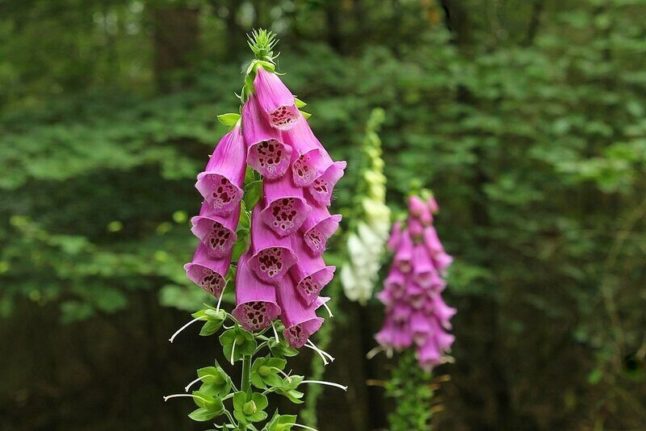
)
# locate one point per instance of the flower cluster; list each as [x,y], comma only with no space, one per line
[366,243]
[415,311]
[282,272]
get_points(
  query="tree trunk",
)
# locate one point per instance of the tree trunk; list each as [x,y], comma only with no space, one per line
[176,37]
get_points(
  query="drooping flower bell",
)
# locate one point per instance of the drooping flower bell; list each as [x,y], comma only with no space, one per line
[416,314]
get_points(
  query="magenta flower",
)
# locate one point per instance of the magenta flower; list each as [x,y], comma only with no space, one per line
[272,255]
[322,187]
[310,274]
[285,207]
[310,158]
[416,314]
[300,320]
[266,152]
[275,100]
[318,227]
[217,232]
[206,272]
[256,301]
[222,180]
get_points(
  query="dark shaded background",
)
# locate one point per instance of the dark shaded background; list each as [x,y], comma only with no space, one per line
[525,117]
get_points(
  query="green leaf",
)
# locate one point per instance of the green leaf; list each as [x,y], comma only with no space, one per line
[249,407]
[229,119]
[265,372]
[287,388]
[236,343]
[306,115]
[215,381]
[281,349]
[252,193]
[299,103]
[202,415]
[281,422]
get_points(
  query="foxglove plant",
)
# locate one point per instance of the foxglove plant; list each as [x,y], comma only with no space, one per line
[263,227]
[366,243]
[416,314]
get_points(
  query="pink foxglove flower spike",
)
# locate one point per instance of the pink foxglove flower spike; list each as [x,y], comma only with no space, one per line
[260,215]
[416,314]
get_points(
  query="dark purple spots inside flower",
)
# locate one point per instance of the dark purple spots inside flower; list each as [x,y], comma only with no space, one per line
[296,336]
[283,117]
[254,316]
[270,155]
[315,240]
[223,194]
[270,261]
[219,238]
[284,215]
[212,282]
[320,186]
[309,286]
[303,172]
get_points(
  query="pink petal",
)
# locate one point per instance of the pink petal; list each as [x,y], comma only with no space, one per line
[266,152]
[285,209]
[273,255]
[275,100]
[206,272]
[318,227]
[256,305]
[310,274]
[222,180]
[322,187]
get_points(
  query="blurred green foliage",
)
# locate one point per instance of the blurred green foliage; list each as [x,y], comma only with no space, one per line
[527,119]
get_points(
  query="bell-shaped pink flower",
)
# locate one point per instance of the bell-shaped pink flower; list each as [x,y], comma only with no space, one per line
[322,187]
[318,227]
[272,255]
[404,254]
[310,274]
[429,355]
[310,160]
[395,334]
[256,305]
[395,236]
[442,262]
[432,241]
[424,272]
[441,311]
[300,320]
[266,152]
[285,208]
[208,273]
[222,181]
[275,100]
[416,207]
[395,283]
[217,232]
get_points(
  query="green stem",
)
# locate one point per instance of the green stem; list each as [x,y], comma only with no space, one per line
[245,384]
